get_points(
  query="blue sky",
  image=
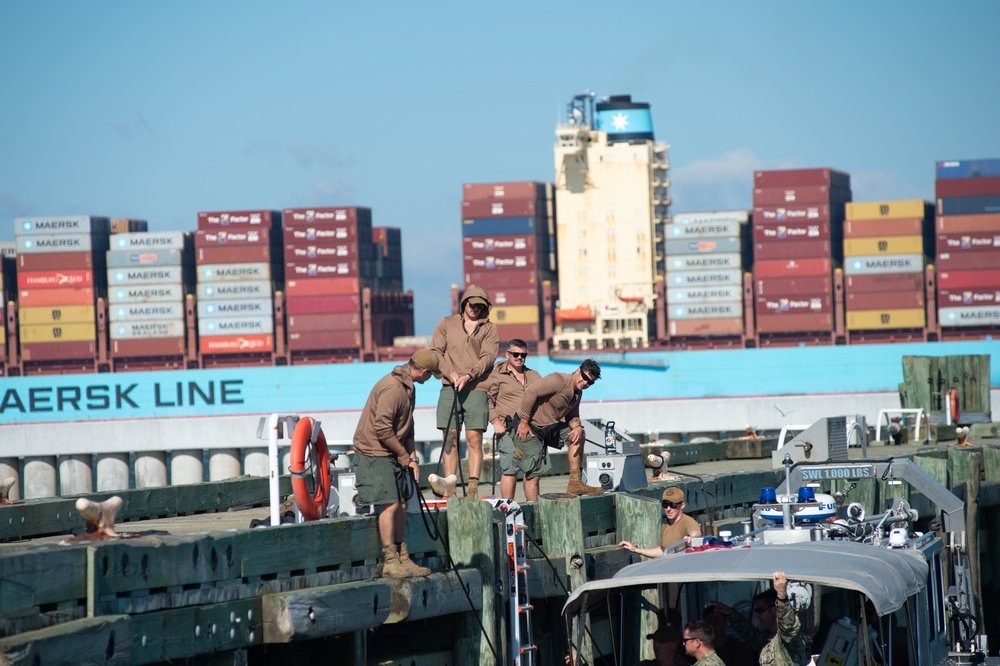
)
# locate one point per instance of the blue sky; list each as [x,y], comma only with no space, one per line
[159,110]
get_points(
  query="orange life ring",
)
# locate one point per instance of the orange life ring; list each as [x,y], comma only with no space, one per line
[953,396]
[312,505]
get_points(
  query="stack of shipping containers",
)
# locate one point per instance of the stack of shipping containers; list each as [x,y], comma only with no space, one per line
[391,307]
[968,248]
[235,269]
[60,271]
[705,257]
[885,247]
[147,276]
[508,248]
[797,232]
[328,256]
[8,278]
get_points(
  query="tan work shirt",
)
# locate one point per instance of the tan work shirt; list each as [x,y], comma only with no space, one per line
[505,390]
[464,353]
[683,526]
[387,416]
[550,400]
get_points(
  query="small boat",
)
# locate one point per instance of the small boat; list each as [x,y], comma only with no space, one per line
[581,313]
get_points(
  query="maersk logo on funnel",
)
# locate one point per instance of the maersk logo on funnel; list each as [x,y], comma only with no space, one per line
[624,121]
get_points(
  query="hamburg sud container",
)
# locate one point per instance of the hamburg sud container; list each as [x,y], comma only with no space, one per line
[704,258]
[968,246]
[508,248]
[797,242]
[234,264]
[885,243]
[329,259]
[147,274]
[56,289]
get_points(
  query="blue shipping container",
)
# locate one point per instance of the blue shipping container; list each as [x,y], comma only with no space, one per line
[969,205]
[968,168]
[499,226]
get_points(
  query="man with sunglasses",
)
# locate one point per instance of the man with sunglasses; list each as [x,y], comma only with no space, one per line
[779,639]
[505,389]
[676,526]
[699,642]
[467,344]
[550,412]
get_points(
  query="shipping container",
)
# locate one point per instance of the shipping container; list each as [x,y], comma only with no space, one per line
[894,263]
[327,216]
[321,267]
[326,286]
[146,311]
[880,245]
[712,217]
[792,249]
[320,323]
[504,208]
[957,224]
[770,268]
[71,332]
[697,327]
[705,311]
[29,298]
[154,328]
[875,210]
[246,236]
[58,351]
[256,271]
[721,229]
[56,314]
[120,225]
[702,246]
[236,289]
[324,340]
[149,347]
[962,260]
[514,314]
[515,190]
[969,205]
[502,295]
[236,326]
[795,286]
[792,231]
[150,275]
[46,261]
[140,293]
[869,320]
[162,240]
[492,279]
[704,262]
[304,236]
[704,295]
[130,258]
[530,333]
[237,307]
[794,323]
[968,168]
[234,254]
[966,187]
[510,244]
[886,282]
[240,219]
[972,296]
[497,262]
[884,300]
[805,194]
[503,226]
[792,305]
[61,279]
[980,315]
[967,279]
[799,213]
[800,177]
[972,242]
[302,305]
[72,224]
[690,279]
[57,243]
[910,226]
[235,344]
[323,250]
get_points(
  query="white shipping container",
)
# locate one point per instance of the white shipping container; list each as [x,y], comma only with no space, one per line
[889,263]
[71,224]
[985,315]
[699,246]
[730,278]
[233,272]
[146,293]
[230,290]
[712,217]
[704,262]
[127,258]
[705,311]
[163,240]
[146,311]
[720,229]
[131,330]
[704,295]
[145,275]
[41,243]
[236,326]
[236,307]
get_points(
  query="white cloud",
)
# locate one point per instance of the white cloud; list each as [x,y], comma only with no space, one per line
[722,183]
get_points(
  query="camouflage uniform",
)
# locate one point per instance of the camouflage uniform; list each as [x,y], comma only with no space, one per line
[786,648]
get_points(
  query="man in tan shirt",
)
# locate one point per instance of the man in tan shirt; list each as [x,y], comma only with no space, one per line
[385,459]
[505,390]
[467,344]
[550,412]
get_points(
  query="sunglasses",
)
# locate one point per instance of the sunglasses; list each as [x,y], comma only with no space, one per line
[685,640]
[518,354]
[763,609]
[477,306]
[667,504]
[590,380]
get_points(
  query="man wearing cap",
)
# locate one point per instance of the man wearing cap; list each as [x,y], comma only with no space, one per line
[385,459]
[666,647]
[732,651]
[676,525]
[467,344]
[505,390]
[699,641]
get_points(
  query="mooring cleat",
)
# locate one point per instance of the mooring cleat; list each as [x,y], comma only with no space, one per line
[443,486]
[100,517]
[5,487]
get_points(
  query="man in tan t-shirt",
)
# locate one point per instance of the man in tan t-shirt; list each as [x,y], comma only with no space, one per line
[676,525]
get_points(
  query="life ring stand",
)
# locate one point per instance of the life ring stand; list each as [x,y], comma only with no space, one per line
[312,504]
[953,399]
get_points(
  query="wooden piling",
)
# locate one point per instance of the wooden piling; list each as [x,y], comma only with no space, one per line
[470,542]
[562,537]
[638,520]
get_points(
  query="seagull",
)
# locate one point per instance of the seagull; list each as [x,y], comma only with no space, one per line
[784,413]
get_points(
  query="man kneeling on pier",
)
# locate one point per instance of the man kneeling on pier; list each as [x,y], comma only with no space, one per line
[385,461]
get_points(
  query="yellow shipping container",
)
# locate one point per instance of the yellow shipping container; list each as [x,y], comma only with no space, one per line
[870,320]
[514,314]
[56,314]
[861,247]
[58,333]
[873,210]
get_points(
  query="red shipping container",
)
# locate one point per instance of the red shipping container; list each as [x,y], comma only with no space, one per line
[791,250]
[530,333]
[777,196]
[800,177]
[515,190]
[792,268]
[148,347]
[50,260]
[300,305]
[967,279]
[971,242]
[330,216]
[327,286]
[798,213]
[301,235]
[54,279]
[236,344]
[503,208]
[773,287]
[966,187]
[689,327]
[880,228]
[514,296]
[948,298]
[501,262]
[492,279]
[792,305]
[321,267]
[307,251]
[240,219]
[961,224]
[236,236]
[949,261]
[507,243]
[325,340]
[790,231]
[318,323]
[794,323]
[884,282]
[30,298]
[233,254]
[883,300]
[58,351]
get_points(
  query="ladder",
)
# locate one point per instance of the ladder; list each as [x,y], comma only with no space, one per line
[523,650]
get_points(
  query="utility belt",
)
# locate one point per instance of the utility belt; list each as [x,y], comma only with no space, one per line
[549,435]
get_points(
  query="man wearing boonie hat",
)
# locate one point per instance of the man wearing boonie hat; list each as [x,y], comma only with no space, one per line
[467,344]
[676,525]
[385,458]
[666,647]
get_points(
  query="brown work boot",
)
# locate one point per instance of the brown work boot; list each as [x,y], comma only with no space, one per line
[392,567]
[473,489]
[578,487]
[412,567]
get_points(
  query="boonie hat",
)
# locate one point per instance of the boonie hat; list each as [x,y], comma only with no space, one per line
[667,633]
[673,494]
[428,360]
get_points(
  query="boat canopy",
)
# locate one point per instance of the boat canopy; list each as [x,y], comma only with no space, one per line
[886,576]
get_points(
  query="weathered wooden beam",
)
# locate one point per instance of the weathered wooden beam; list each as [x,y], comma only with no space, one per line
[184,632]
[97,640]
[470,540]
[325,611]
[40,576]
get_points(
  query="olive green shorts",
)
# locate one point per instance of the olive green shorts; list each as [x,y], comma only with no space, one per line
[533,464]
[379,480]
[475,409]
